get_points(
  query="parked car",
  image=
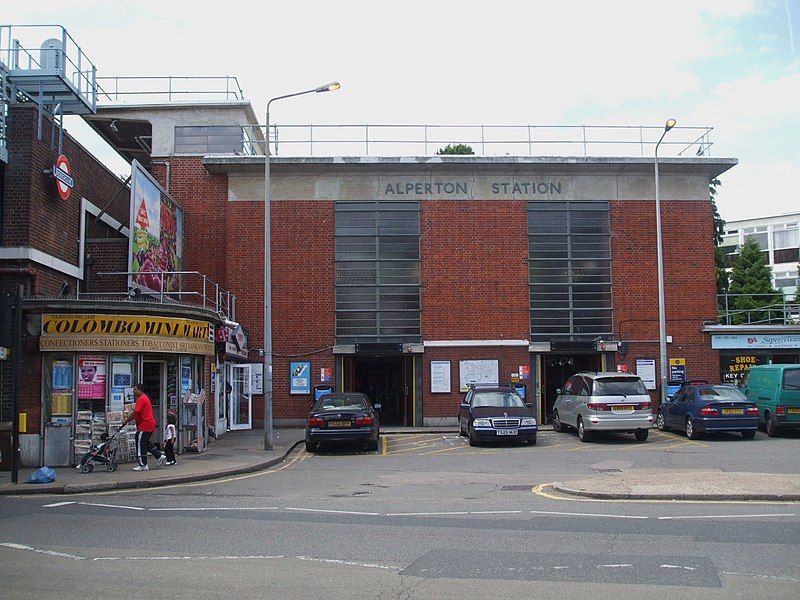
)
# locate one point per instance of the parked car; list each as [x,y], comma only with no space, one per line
[703,407]
[496,413]
[603,402]
[775,390]
[347,417]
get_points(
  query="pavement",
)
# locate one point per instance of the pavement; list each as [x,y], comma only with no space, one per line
[239,452]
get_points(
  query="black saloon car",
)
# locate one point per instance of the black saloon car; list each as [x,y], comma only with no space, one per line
[347,417]
[496,413]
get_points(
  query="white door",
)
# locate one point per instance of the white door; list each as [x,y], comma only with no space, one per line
[221,399]
[240,411]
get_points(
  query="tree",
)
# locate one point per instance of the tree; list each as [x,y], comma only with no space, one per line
[455,149]
[751,285]
[723,278]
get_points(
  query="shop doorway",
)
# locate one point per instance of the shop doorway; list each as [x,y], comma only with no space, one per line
[154,379]
[240,399]
[556,369]
[384,380]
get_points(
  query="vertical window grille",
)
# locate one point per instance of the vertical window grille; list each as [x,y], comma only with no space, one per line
[569,259]
[377,263]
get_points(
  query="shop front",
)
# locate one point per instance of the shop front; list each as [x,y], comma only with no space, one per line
[740,351]
[90,363]
[235,380]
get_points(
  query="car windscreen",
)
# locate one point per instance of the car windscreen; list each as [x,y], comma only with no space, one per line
[721,392]
[503,399]
[791,379]
[618,386]
[336,403]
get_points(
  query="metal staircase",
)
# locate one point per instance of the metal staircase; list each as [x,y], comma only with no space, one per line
[43,65]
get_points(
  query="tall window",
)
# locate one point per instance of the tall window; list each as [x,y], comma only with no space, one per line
[569,252]
[377,272]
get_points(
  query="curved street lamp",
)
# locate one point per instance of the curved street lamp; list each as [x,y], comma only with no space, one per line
[267,380]
[662,318]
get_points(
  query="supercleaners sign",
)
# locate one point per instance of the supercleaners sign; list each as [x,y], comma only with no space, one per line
[126,333]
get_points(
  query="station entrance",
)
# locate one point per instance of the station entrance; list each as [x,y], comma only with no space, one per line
[556,369]
[386,380]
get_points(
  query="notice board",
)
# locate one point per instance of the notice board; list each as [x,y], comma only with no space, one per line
[479,372]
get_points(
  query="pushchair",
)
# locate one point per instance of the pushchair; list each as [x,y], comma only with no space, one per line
[104,453]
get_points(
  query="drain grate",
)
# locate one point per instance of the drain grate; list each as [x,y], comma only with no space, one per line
[608,470]
[516,488]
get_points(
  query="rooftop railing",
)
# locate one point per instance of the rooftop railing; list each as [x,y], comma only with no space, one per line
[485,140]
[193,288]
[775,310]
[169,89]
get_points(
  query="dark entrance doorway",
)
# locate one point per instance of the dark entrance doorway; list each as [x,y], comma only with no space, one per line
[383,378]
[557,368]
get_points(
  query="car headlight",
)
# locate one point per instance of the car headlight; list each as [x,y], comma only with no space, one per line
[528,422]
[481,423]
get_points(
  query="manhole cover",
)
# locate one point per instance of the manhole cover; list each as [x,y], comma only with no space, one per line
[516,488]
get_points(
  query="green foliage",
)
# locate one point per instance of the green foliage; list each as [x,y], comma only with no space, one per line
[455,149]
[723,277]
[719,222]
[751,284]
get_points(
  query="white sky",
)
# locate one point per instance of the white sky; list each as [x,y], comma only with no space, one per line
[730,64]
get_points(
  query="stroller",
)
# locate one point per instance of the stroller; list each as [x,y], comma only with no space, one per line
[104,453]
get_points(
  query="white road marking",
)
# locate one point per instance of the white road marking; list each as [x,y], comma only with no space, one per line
[451,513]
[252,557]
[40,551]
[336,512]
[761,576]
[725,516]
[56,504]
[620,566]
[233,508]
[573,514]
[678,567]
[349,563]
[111,505]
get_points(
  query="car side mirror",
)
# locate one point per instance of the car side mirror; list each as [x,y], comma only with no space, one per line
[376,406]
[465,405]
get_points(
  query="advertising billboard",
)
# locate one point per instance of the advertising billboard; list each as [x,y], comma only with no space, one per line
[156,246]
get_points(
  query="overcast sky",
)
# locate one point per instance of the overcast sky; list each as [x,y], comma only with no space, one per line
[729,64]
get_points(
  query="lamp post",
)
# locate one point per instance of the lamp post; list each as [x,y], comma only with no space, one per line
[662,319]
[267,380]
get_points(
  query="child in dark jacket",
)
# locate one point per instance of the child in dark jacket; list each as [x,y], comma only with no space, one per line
[170,438]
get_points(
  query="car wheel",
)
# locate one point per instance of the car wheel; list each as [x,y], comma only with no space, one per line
[772,429]
[583,435]
[461,431]
[373,446]
[473,441]
[641,435]
[748,435]
[532,442]
[662,426]
[310,446]
[691,433]
[557,426]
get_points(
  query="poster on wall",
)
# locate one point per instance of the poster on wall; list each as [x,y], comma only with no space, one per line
[440,376]
[300,382]
[472,372]
[646,369]
[156,241]
[91,378]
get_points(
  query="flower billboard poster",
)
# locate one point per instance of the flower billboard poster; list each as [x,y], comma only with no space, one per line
[157,234]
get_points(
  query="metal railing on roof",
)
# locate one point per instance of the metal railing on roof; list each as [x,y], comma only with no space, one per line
[169,89]
[193,288]
[485,140]
[772,312]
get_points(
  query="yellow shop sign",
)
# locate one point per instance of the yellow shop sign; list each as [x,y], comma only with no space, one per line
[126,333]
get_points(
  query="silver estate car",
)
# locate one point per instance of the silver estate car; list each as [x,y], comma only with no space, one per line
[593,402]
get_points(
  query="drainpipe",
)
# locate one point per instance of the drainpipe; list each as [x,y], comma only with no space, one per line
[32,273]
[166,164]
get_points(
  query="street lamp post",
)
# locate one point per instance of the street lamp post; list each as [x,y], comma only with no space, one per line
[662,318]
[267,380]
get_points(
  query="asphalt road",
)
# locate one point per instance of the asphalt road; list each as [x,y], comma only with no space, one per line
[425,517]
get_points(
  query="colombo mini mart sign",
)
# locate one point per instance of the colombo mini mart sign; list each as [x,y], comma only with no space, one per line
[126,333]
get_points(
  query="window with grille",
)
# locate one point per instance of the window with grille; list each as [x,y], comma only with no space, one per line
[569,259]
[377,278]
[213,139]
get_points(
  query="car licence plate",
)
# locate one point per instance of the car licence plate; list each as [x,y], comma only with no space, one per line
[621,407]
[507,432]
[732,411]
[338,423]
[793,411]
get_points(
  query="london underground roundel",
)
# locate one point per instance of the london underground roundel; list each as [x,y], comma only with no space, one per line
[63,175]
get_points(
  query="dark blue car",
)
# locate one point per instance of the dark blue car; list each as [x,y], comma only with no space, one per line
[343,418]
[496,414]
[708,408]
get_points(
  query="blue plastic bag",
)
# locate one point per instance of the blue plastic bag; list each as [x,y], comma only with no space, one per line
[42,475]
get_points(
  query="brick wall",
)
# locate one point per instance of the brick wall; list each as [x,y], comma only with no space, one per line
[689,276]
[474,270]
